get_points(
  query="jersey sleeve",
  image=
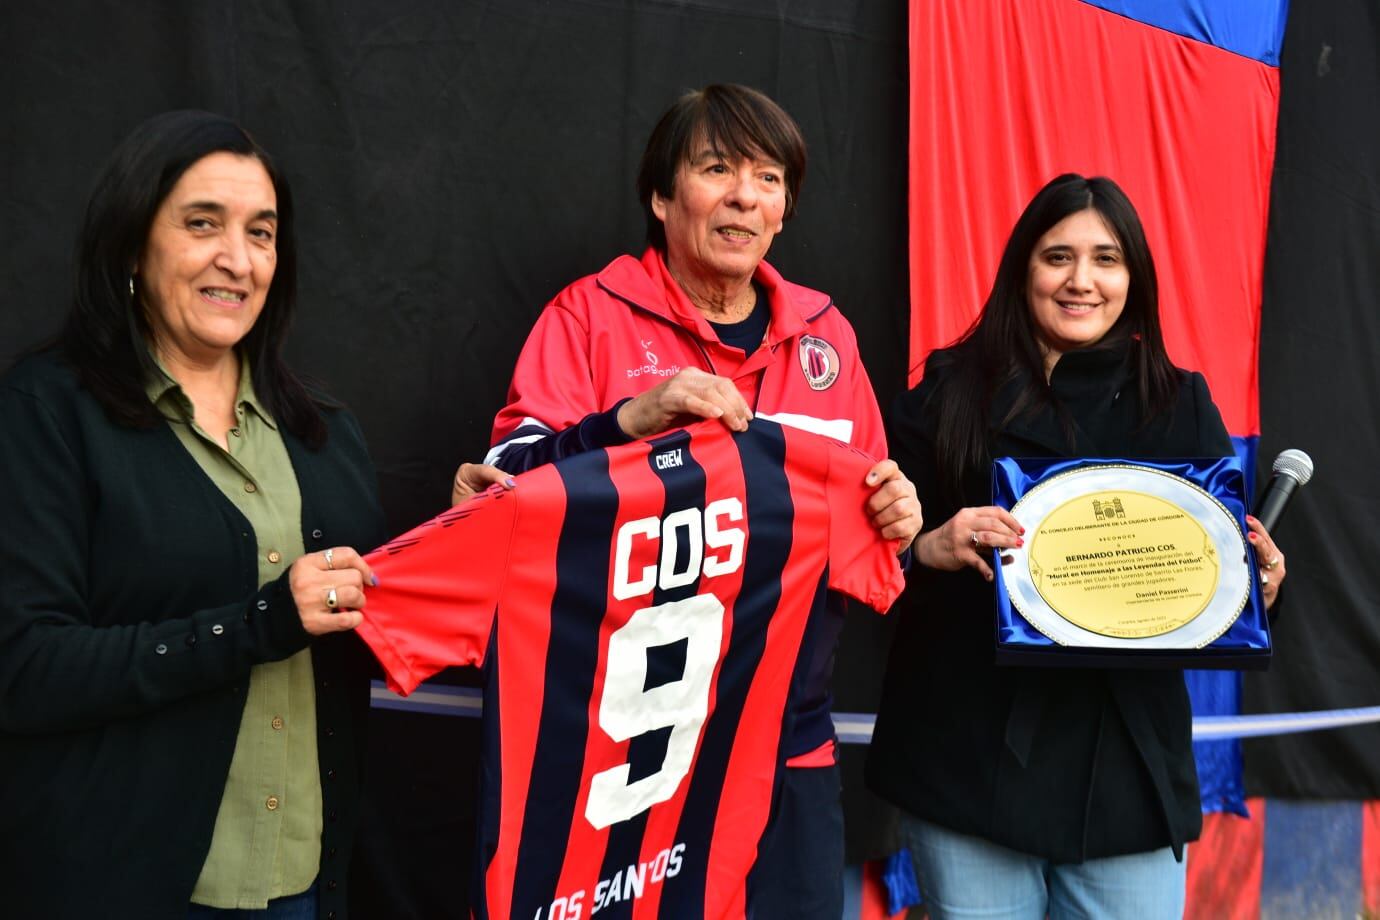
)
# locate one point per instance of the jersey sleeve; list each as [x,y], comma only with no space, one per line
[869,434]
[553,410]
[438,586]
[861,563]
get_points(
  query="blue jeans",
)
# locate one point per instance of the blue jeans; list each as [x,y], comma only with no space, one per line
[968,877]
[293,907]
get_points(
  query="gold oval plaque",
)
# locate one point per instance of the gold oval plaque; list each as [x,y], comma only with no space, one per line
[1123,563]
[1118,555]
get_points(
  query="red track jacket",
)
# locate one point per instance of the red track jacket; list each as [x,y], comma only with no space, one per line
[609,337]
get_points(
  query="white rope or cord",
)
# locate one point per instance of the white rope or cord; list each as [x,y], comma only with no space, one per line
[856,727]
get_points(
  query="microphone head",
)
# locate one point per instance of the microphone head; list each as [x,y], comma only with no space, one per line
[1294,463]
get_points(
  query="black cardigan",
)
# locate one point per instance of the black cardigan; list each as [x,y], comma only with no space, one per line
[129,619]
[1064,763]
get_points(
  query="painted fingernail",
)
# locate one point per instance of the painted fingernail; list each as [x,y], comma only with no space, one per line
[1019,542]
[1022,531]
[510,482]
[374,580]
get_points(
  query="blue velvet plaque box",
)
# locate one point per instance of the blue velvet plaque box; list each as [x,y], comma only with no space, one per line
[1131,560]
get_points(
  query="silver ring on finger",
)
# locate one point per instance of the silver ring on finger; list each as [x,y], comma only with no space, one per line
[329,556]
[974,539]
[332,601]
[1264,579]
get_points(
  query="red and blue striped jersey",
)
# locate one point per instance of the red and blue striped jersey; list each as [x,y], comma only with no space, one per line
[640,612]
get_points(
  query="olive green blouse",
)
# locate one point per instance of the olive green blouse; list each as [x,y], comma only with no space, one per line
[267,840]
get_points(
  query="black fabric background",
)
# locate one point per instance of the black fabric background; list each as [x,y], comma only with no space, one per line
[1320,391]
[456,163]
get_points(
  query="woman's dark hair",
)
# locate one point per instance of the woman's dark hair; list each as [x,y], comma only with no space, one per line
[735,121]
[1003,345]
[105,333]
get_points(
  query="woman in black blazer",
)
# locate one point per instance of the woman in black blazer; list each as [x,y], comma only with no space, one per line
[1027,792]
[180,695]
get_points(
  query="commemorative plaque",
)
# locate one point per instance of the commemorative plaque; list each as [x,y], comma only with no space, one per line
[1121,556]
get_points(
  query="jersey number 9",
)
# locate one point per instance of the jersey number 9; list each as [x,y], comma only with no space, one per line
[627,710]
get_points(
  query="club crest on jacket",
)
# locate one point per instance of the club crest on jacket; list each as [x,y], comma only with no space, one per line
[819,361]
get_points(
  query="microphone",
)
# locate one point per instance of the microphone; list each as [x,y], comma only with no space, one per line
[1292,468]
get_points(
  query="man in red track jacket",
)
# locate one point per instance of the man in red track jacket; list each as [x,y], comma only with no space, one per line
[702,326]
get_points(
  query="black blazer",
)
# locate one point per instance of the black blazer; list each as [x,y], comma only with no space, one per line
[129,620]
[1064,763]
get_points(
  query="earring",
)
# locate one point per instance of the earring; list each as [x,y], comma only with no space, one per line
[131,286]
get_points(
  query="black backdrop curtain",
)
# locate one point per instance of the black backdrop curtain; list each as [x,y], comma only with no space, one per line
[456,163]
[1320,390]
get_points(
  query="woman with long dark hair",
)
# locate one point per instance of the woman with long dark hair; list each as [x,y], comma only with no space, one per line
[179,696]
[1027,792]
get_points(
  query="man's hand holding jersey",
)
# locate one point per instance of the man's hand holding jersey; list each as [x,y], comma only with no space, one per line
[894,506]
[691,392]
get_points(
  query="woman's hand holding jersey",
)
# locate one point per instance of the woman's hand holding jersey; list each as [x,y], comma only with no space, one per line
[328,589]
[473,478]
